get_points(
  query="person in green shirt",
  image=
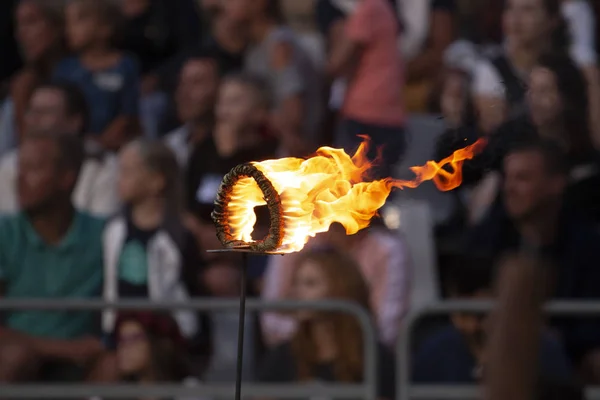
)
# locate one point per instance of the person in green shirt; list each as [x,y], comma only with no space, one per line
[48,250]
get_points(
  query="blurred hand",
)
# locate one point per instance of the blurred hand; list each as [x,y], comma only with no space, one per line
[526,275]
[514,338]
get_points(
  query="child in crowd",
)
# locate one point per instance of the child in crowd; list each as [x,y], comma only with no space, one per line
[146,250]
[39,31]
[108,78]
[456,353]
[150,349]
[276,55]
[241,135]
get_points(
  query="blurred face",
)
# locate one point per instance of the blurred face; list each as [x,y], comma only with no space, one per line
[453,99]
[35,34]
[39,179]
[133,8]
[472,326]
[197,90]
[82,28]
[241,11]
[136,181]
[133,350]
[48,113]
[237,107]
[527,186]
[544,98]
[310,283]
[526,23]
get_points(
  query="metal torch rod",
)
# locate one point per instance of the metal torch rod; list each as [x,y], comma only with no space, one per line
[241,328]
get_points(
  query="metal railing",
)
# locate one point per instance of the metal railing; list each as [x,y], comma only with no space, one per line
[366,390]
[406,391]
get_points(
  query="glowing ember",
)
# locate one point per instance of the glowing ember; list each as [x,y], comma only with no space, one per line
[331,187]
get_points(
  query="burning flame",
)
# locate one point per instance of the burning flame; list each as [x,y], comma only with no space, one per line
[331,187]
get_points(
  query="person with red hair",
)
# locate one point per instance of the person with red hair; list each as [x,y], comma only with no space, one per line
[327,346]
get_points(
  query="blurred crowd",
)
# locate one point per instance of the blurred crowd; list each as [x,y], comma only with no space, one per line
[119,118]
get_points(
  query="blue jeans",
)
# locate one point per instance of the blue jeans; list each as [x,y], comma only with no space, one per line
[390,139]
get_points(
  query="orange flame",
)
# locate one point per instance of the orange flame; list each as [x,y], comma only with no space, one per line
[331,187]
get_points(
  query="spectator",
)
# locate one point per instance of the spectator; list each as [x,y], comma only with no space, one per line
[532,216]
[226,38]
[107,77]
[456,353]
[327,346]
[423,69]
[373,103]
[330,22]
[531,28]
[581,22]
[514,338]
[385,264]
[582,26]
[596,13]
[60,109]
[155,30]
[39,33]
[276,55]
[566,119]
[331,16]
[223,37]
[49,250]
[240,135]
[456,106]
[456,103]
[150,349]
[195,97]
[146,249]
[558,110]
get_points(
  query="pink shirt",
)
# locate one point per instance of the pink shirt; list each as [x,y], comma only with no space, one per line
[374,93]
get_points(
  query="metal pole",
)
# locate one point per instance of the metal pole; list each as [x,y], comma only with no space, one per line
[403,356]
[175,391]
[241,328]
